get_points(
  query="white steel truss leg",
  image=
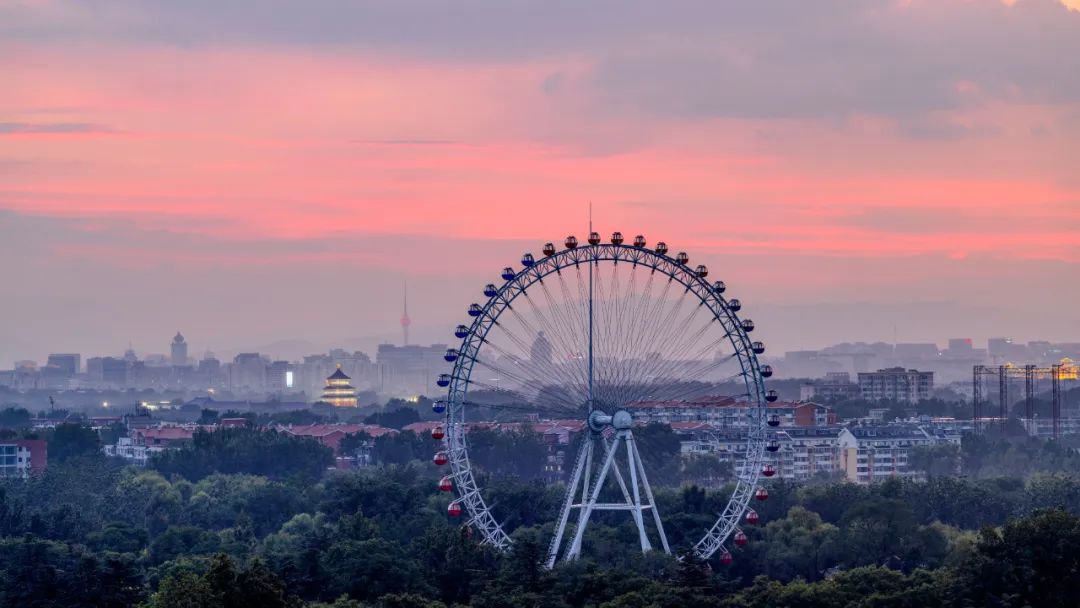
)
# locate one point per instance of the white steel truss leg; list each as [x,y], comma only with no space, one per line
[586,509]
[575,478]
[649,495]
[639,518]
[632,495]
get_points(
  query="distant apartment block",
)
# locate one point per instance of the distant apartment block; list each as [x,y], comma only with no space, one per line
[876,452]
[897,384]
[835,386]
[727,413]
[861,454]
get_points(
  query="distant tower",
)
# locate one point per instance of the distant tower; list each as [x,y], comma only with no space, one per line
[405,320]
[179,350]
[540,353]
[338,391]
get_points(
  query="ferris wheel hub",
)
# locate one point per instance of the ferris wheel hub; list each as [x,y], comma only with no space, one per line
[621,420]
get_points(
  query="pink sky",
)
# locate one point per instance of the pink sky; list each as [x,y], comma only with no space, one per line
[152,157]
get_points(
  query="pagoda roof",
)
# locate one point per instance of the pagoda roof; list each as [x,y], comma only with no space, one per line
[338,375]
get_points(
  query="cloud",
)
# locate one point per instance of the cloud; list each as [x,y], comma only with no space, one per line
[56,128]
[689,58]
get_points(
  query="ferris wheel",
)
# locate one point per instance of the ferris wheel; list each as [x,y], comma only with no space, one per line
[597,334]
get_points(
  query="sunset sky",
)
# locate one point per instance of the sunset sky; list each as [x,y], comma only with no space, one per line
[250,171]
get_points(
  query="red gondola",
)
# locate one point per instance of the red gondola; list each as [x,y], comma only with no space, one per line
[441,458]
[740,539]
[438,433]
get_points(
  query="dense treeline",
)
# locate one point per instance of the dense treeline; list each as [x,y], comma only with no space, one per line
[93,533]
[242,517]
[244,450]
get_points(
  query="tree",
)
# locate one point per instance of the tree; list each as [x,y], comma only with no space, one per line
[935,460]
[208,416]
[245,450]
[73,440]
[1031,562]
[184,590]
[396,418]
[14,418]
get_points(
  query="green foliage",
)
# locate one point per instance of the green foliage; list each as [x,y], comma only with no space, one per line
[224,586]
[396,418]
[245,450]
[92,532]
[993,456]
[208,416]
[1031,562]
[69,441]
[16,418]
[518,454]
[38,572]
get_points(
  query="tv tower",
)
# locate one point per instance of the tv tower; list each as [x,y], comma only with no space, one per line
[405,320]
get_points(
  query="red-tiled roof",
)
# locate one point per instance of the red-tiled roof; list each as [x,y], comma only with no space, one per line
[706,401]
[168,433]
[320,430]
[422,427]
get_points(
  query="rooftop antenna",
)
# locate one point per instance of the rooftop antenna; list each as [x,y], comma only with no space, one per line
[405,320]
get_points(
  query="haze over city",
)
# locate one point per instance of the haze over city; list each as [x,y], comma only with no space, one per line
[253,176]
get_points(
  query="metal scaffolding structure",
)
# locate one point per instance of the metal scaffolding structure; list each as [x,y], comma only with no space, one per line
[1004,374]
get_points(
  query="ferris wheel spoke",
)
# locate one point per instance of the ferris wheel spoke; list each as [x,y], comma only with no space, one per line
[510,356]
[543,389]
[666,369]
[529,329]
[665,361]
[543,370]
[520,408]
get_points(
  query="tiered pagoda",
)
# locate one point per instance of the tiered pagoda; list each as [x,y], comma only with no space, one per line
[338,391]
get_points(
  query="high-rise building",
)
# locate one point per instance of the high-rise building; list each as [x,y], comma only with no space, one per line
[108,370]
[248,372]
[411,369]
[179,350]
[540,353]
[405,320]
[338,391]
[65,364]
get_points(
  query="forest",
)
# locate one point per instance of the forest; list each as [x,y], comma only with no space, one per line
[243,517]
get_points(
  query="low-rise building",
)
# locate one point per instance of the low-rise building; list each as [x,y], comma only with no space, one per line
[331,435]
[23,457]
[727,413]
[802,452]
[896,384]
[835,386]
[875,452]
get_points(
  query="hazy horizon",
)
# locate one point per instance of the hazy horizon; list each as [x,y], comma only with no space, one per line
[248,175]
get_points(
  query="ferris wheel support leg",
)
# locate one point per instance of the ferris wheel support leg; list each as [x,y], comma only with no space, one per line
[587,473]
[587,508]
[649,497]
[575,478]
[618,474]
[639,517]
